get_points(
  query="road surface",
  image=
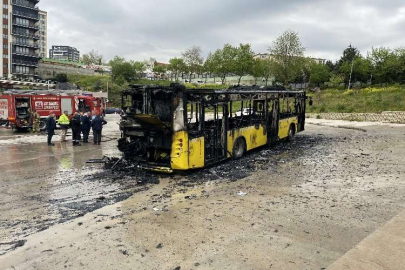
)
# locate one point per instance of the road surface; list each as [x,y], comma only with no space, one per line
[299,205]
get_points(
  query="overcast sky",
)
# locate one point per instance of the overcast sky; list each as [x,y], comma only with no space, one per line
[139,29]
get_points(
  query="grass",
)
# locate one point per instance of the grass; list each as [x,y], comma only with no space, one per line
[367,100]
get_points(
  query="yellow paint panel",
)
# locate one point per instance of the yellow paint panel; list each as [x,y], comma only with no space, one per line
[179,155]
[254,137]
[196,153]
[187,155]
[284,126]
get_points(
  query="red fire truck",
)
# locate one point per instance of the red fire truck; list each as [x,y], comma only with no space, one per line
[16,106]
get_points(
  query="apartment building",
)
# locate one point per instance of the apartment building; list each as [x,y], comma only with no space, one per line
[65,53]
[43,34]
[20,50]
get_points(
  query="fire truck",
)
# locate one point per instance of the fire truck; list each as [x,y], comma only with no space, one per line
[16,106]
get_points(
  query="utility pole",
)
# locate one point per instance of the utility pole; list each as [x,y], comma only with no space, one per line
[351,72]
[108,96]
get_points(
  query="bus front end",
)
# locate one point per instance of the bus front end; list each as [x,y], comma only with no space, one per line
[152,128]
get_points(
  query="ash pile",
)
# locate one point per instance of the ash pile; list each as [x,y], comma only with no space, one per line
[120,168]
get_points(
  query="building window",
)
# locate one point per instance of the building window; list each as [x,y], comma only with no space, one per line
[5,16]
[22,50]
[5,66]
[5,56]
[5,36]
[21,21]
[5,26]
[5,6]
[23,70]
[5,46]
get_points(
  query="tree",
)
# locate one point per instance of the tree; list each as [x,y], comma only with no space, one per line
[138,69]
[331,66]
[176,66]
[244,61]
[193,60]
[319,73]
[263,69]
[400,53]
[335,80]
[61,77]
[357,70]
[92,58]
[384,65]
[122,69]
[287,52]
[160,70]
[349,55]
[222,61]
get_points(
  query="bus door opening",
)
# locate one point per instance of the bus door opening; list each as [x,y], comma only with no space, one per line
[215,132]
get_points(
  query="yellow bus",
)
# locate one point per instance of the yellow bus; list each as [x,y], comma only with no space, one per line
[168,129]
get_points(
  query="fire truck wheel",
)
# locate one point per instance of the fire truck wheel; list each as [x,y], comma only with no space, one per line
[42,125]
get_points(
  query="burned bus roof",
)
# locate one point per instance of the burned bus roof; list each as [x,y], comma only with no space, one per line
[232,90]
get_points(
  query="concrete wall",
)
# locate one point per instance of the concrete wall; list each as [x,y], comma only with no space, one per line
[50,70]
[387,117]
[233,80]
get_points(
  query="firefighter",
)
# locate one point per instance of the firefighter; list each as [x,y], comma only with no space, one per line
[64,126]
[50,127]
[76,129]
[86,125]
[36,120]
[97,125]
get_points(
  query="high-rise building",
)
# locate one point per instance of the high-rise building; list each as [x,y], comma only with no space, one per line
[20,50]
[65,53]
[43,34]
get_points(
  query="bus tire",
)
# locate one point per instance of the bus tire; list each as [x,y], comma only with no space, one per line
[239,148]
[291,133]
[42,125]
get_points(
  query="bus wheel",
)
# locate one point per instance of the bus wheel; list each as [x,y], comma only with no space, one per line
[238,148]
[291,133]
[42,125]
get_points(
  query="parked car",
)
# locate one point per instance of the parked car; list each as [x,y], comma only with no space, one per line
[113,111]
[245,111]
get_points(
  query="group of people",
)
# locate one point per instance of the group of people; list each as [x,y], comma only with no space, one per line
[80,123]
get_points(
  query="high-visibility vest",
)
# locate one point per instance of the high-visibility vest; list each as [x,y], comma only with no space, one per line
[64,120]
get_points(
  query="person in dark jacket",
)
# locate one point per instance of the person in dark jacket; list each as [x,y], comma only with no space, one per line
[86,125]
[76,129]
[50,128]
[97,126]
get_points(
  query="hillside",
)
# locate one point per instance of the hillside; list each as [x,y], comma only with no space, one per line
[368,100]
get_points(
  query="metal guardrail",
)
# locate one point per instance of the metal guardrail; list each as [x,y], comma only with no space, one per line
[24,3]
[388,117]
[26,14]
[36,46]
[32,26]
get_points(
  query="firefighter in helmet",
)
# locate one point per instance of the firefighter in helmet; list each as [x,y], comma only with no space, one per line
[36,120]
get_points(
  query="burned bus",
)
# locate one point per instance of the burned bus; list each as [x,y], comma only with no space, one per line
[169,129]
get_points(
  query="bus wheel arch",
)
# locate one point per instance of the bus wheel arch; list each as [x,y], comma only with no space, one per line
[239,148]
[291,132]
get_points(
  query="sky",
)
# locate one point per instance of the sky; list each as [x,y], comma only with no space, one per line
[163,29]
